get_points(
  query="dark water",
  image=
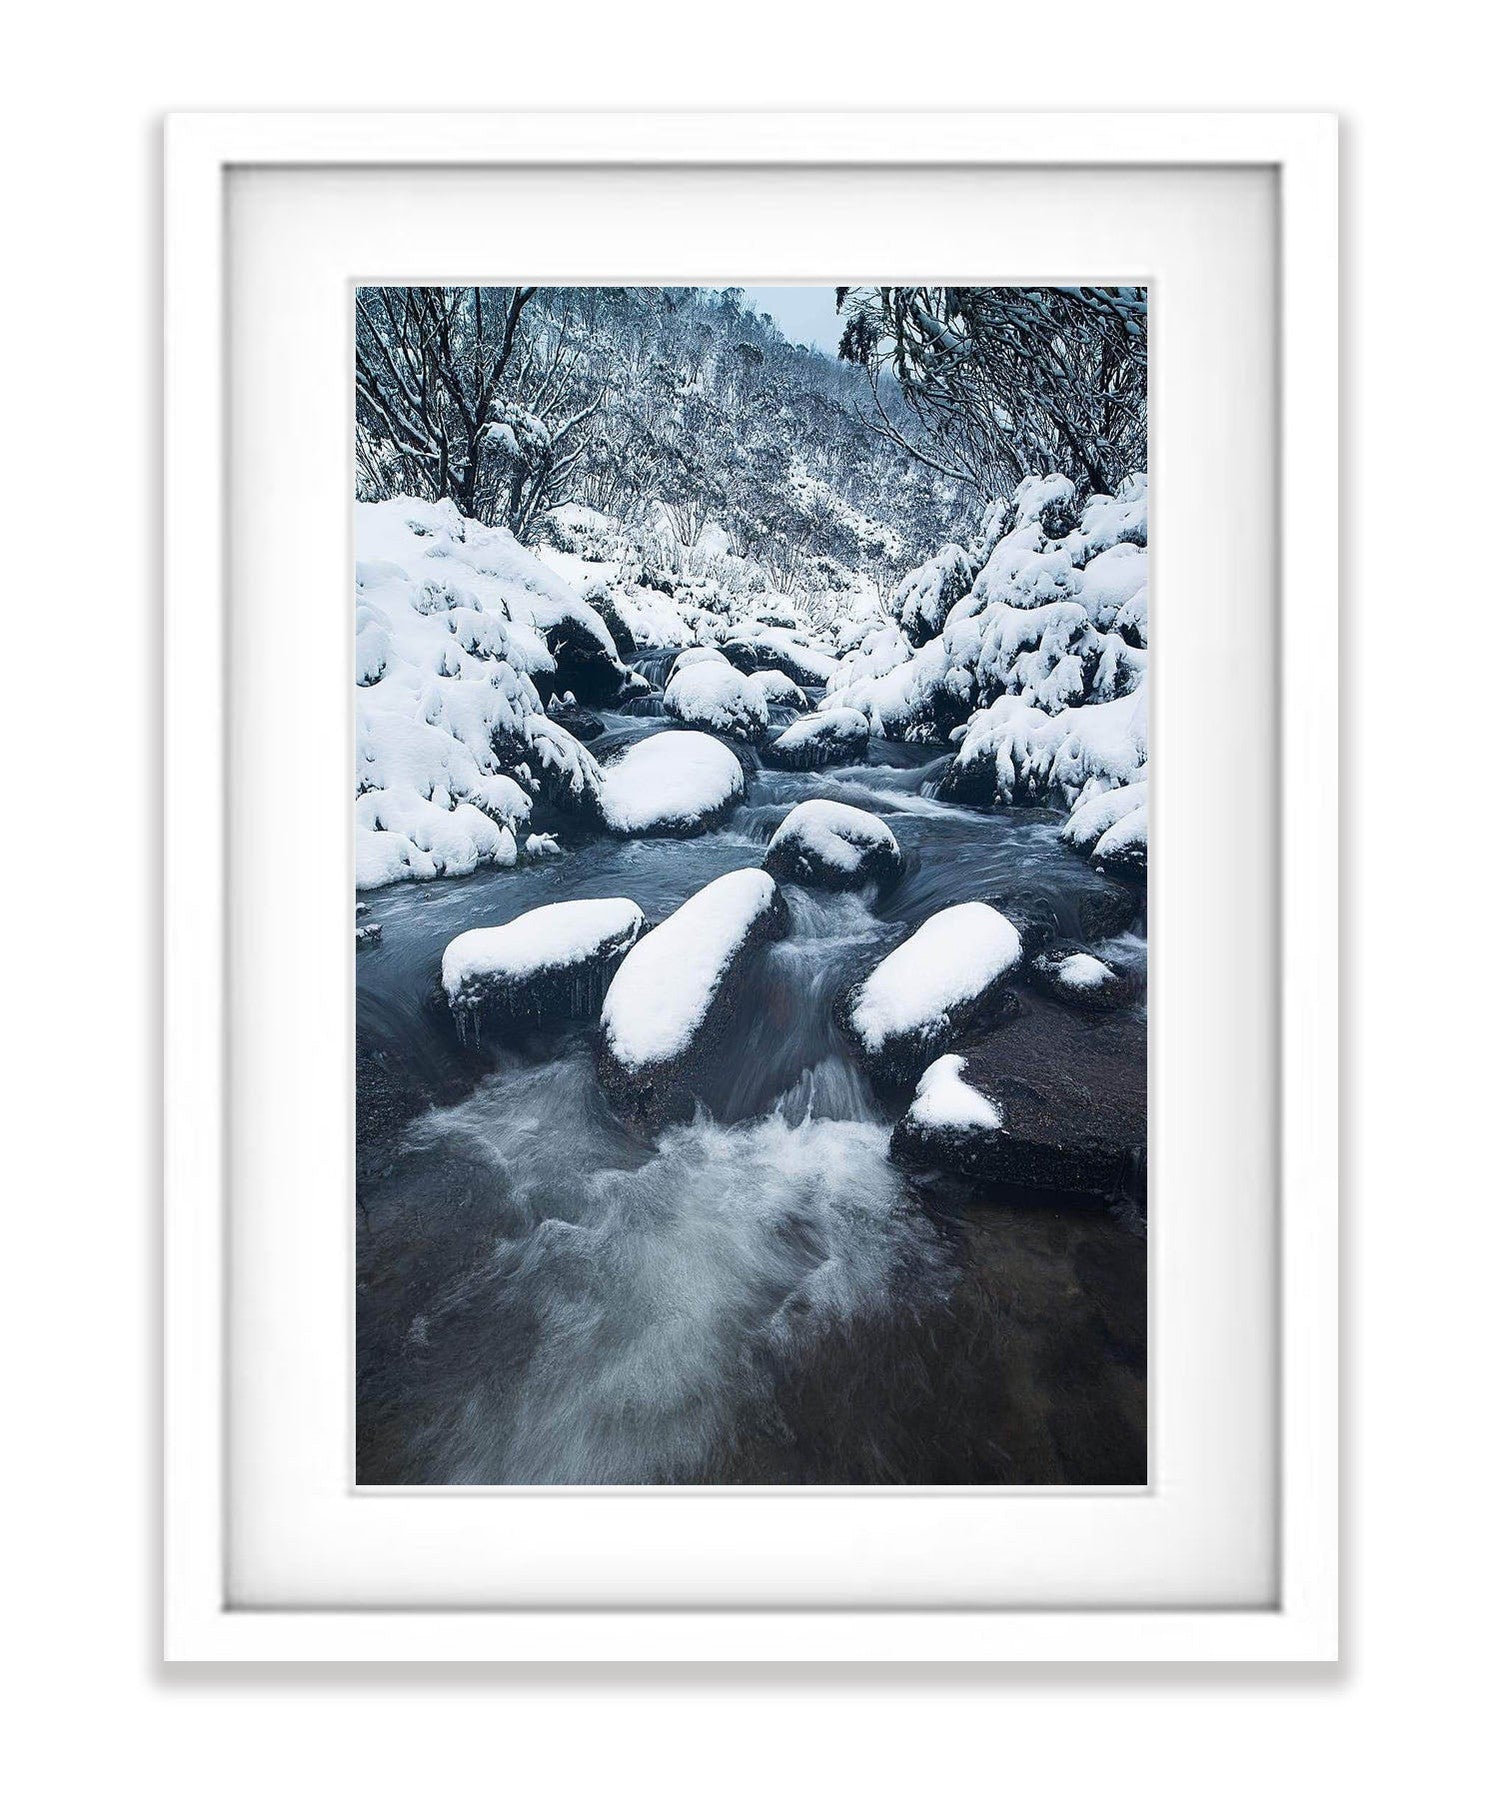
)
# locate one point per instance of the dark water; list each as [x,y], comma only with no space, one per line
[760,1295]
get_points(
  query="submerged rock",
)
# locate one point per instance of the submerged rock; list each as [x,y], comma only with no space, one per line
[1069,1094]
[674,993]
[947,977]
[823,843]
[366,936]
[553,962]
[825,738]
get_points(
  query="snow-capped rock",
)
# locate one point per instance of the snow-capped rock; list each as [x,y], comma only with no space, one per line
[929,593]
[1077,978]
[717,697]
[823,843]
[823,738]
[948,975]
[674,784]
[945,1102]
[552,962]
[1069,1092]
[674,991]
[779,689]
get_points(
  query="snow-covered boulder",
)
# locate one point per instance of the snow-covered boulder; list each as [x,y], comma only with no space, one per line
[948,975]
[773,646]
[823,738]
[779,689]
[1078,978]
[1066,1107]
[1113,828]
[717,697]
[823,843]
[674,784]
[674,993]
[553,962]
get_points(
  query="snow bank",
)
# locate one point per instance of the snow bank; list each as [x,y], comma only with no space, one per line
[454,626]
[945,1102]
[823,843]
[675,783]
[933,984]
[665,988]
[1012,752]
[713,694]
[926,596]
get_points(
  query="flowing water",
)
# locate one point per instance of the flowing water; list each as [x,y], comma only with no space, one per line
[759,1295]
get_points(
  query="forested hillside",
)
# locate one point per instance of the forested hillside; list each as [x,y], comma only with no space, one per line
[668,409]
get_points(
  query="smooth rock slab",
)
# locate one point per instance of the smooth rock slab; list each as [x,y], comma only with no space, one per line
[825,738]
[553,962]
[947,977]
[674,994]
[1069,1091]
[823,843]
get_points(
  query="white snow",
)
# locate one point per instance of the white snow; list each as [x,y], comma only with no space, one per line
[839,722]
[714,694]
[1126,841]
[1075,754]
[779,689]
[1084,972]
[668,781]
[450,621]
[953,958]
[1102,812]
[556,936]
[945,1102]
[663,989]
[839,836]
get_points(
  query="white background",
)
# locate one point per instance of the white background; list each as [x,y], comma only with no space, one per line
[79,566]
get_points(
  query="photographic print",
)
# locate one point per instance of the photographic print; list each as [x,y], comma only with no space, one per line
[750,842]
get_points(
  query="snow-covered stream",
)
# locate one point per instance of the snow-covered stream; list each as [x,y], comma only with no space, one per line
[762,1295]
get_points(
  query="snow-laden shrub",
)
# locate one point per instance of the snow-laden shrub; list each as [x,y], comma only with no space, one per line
[929,593]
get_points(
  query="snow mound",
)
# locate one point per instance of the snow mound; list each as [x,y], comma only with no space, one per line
[824,843]
[713,694]
[1083,971]
[923,988]
[673,784]
[945,1102]
[551,960]
[1093,817]
[661,996]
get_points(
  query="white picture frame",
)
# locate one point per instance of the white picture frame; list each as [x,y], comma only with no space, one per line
[203,151]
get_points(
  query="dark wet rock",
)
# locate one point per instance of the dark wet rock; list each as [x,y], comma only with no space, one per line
[670,1003]
[1071,975]
[744,657]
[951,975]
[550,964]
[366,936]
[1070,1092]
[1105,909]
[821,740]
[576,719]
[823,843]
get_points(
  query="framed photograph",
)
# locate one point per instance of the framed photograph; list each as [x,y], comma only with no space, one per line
[751,887]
